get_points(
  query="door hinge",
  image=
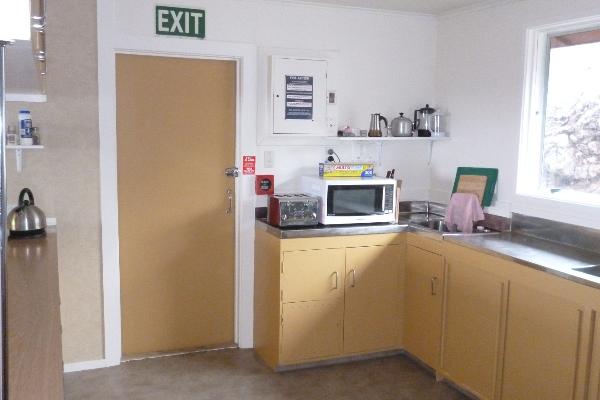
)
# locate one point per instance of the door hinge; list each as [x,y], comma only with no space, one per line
[282,319]
[282,267]
[281,297]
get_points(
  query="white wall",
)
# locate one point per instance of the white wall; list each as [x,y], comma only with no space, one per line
[386,64]
[479,80]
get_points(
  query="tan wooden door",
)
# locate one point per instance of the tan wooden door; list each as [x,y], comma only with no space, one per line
[175,137]
[423,304]
[543,343]
[473,320]
[371,312]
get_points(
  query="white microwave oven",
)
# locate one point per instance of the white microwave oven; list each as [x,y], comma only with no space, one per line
[353,200]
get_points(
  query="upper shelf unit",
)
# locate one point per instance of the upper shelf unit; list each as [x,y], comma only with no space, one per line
[19,152]
[393,139]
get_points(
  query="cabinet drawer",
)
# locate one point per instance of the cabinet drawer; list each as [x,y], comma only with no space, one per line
[312,275]
[311,330]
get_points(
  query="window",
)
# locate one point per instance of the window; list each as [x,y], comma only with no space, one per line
[560,139]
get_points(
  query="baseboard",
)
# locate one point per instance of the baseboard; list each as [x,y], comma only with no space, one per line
[87,365]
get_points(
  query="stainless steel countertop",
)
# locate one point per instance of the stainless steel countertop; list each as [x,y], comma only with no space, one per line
[544,255]
[330,230]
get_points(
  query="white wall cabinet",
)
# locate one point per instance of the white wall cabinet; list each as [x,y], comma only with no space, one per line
[301,102]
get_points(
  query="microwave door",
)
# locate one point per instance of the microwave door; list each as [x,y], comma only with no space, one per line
[355,200]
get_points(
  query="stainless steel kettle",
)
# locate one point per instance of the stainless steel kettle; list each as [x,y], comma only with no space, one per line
[401,126]
[26,219]
[375,126]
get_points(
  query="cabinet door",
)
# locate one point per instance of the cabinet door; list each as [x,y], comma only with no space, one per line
[594,381]
[473,321]
[312,275]
[311,330]
[371,313]
[423,305]
[543,332]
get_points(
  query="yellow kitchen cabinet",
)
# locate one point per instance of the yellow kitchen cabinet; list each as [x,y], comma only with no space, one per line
[323,298]
[312,304]
[311,330]
[473,321]
[593,389]
[312,275]
[424,282]
[371,298]
[517,332]
[543,344]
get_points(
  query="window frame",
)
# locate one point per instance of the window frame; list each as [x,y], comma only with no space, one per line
[529,170]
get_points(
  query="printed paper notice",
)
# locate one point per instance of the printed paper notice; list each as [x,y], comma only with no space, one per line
[249,165]
[298,97]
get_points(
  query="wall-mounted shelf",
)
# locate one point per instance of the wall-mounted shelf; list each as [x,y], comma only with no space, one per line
[392,139]
[27,97]
[19,153]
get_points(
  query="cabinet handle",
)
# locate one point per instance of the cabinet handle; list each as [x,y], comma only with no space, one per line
[336,280]
[433,285]
[353,278]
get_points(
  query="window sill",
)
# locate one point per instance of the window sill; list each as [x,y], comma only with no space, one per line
[553,207]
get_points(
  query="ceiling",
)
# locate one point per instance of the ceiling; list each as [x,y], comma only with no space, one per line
[435,7]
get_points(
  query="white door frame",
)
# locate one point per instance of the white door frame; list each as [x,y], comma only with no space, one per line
[111,43]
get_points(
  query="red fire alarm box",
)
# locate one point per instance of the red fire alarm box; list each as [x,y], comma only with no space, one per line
[264,184]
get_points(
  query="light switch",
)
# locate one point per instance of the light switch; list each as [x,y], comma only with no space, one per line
[269,159]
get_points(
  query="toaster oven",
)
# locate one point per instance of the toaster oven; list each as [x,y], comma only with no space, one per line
[295,209]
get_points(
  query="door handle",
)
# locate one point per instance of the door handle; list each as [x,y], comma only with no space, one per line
[229,194]
[232,172]
[433,286]
[353,278]
[336,280]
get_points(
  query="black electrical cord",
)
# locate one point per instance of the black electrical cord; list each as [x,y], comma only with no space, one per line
[330,158]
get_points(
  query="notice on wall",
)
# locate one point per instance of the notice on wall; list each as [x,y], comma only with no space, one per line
[298,97]
[249,165]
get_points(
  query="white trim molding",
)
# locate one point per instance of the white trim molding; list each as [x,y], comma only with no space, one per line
[110,42]
[529,198]
[87,365]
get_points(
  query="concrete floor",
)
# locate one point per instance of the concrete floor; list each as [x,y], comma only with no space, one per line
[238,374]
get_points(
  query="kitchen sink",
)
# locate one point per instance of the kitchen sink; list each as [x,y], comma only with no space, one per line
[436,225]
[592,270]
[435,222]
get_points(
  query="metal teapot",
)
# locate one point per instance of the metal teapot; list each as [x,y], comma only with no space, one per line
[26,219]
[401,126]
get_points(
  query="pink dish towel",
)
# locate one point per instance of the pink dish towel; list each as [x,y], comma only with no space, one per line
[463,210]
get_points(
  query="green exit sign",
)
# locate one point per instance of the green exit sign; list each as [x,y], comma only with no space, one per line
[177,21]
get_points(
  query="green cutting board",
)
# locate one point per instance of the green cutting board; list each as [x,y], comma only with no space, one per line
[492,177]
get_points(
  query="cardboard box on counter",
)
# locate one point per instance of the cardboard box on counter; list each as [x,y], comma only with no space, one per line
[341,170]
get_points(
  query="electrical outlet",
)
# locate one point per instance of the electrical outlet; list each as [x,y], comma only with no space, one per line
[269,159]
